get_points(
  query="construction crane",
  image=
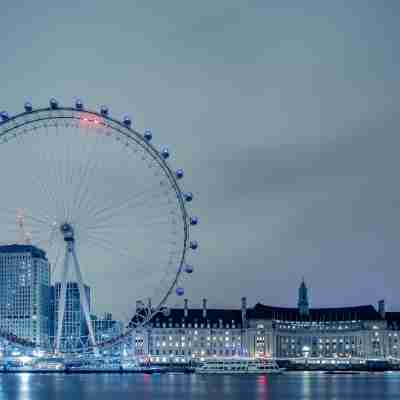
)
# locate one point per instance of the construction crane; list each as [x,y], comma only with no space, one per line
[23,236]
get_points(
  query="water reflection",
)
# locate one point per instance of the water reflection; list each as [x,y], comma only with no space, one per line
[262,386]
[306,387]
[290,386]
[24,386]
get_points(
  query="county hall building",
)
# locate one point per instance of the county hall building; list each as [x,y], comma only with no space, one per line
[284,333]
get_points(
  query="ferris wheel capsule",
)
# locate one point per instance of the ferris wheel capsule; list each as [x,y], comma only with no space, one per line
[179,173]
[147,135]
[53,103]
[4,116]
[127,121]
[194,244]
[180,291]
[194,220]
[28,106]
[188,268]
[79,104]
[104,110]
[188,196]
[165,153]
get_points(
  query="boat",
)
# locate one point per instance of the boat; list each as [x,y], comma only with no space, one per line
[43,365]
[239,365]
[336,372]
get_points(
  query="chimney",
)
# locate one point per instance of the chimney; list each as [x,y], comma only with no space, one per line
[204,308]
[185,308]
[244,309]
[381,308]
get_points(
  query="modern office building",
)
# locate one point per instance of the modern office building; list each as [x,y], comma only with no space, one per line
[286,333]
[106,328]
[74,326]
[24,293]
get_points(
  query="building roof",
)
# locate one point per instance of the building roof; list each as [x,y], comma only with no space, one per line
[393,319]
[23,248]
[363,313]
[213,317]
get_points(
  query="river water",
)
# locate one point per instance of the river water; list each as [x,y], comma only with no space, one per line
[290,386]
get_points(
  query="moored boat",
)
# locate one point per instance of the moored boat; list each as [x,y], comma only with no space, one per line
[239,365]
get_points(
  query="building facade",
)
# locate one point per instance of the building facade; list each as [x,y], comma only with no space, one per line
[329,333]
[74,326]
[303,332]
[106,328]
[186,334]
[24,293]
[360,332]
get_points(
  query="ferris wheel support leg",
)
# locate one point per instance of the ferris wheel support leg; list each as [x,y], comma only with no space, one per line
[84,299]
[61,299]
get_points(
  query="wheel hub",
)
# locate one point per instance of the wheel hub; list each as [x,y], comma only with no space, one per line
[67,231]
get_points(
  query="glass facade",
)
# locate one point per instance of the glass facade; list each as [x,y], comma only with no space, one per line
[106,328]
[24,293]
[74,326]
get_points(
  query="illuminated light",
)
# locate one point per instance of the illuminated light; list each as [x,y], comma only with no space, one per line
[194,220]
[25,359]
[194,245]
[180,291]
[28,106]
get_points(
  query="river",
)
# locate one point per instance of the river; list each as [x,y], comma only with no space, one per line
[289,386]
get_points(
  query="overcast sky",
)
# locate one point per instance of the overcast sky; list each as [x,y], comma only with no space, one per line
[284,115]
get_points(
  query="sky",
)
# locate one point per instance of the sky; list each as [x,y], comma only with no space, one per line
[283,114]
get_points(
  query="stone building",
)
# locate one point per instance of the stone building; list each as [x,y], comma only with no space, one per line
[185,334]
[360,332]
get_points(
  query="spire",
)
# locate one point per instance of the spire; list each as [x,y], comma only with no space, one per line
[303,299]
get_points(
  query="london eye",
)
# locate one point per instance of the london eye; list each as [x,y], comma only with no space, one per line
[110,213]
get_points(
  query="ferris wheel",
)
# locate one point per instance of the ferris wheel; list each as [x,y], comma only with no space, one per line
[107,208]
